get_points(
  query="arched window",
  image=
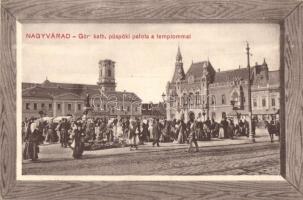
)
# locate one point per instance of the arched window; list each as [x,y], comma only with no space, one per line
[185,99]
[198,98]
[213,100]
[109,72]
[191,98]
[235,96]
[223,99]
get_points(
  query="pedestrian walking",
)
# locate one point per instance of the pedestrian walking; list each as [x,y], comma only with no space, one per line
[156,132]
[182,132]
[192,136]
[78,143]
[63,128]
[32,136]
[145,134]
[133,135]
[271,130]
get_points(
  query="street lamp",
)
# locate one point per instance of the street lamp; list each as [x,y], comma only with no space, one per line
[251,133]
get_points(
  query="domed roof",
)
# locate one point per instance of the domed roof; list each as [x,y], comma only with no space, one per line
[46,81]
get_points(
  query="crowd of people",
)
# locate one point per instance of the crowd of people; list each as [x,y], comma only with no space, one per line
[75,133]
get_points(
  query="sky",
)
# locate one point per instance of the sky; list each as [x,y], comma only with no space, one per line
[143,66]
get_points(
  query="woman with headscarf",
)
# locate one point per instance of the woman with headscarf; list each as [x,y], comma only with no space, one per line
[32,137]
[133,135]
[78,146]
[145,135]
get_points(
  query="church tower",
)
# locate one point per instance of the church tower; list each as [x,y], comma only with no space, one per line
[179,71]
[107,75]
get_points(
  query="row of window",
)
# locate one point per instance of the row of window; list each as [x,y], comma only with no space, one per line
[196,99]
[264,103]
[49,106]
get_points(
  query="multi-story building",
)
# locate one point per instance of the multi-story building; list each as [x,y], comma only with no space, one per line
[204,92]
[60,99]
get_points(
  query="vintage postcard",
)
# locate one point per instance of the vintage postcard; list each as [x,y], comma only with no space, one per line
[145,100]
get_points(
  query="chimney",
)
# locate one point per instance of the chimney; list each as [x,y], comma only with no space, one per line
[239,66]
[218,69]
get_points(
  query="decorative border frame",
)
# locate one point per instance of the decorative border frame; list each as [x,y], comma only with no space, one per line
[287,13]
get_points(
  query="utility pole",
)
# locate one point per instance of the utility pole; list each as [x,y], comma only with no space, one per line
[251,133]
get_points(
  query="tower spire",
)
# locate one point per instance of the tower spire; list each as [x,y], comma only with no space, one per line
[179,56]
[179,71]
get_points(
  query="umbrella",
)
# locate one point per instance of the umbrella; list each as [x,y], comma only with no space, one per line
[57,119]
[47,118]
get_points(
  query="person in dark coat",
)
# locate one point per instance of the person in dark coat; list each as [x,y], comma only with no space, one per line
[208,122]
[224,124]
[63,128]
[199,129]
[214,128]
[231,129]
[125,128]
[271,130]
[32,139]
[145,134]
[78,141]
[246,128]
[156,132]
[241,128]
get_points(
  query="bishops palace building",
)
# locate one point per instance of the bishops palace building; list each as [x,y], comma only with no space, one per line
[61,99]
[205,92]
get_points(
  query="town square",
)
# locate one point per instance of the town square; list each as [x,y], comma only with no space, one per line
[205,120]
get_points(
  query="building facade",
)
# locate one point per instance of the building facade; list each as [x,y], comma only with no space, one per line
[204,92]
[61,99]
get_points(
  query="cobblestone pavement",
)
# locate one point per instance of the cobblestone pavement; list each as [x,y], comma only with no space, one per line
[262,158]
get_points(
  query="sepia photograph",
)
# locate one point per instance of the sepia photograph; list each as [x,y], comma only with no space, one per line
[150,99]
[156,99]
